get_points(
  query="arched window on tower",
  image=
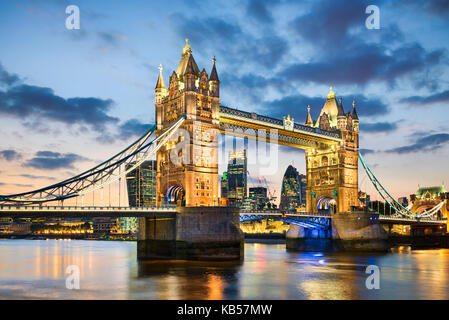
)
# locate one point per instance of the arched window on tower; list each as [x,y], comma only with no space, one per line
[324,161]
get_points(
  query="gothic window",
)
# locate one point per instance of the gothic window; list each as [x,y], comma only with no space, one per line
[324,161]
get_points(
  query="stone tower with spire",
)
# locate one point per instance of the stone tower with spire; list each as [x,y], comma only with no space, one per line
[187,170]
[332,169]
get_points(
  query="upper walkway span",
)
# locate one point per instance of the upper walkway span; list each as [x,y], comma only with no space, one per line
[246,124]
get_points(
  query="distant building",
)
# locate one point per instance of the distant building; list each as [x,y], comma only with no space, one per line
[364,198]
[259,197]
[237,177]
[293,193]
[224,185]
[5,225]
[105,225]
[403,201]
[141,185]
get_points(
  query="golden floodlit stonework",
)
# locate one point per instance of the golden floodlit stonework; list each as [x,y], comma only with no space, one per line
[189,174]
[332,169]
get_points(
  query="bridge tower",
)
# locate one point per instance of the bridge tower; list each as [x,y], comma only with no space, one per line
[332,169]
[188,171]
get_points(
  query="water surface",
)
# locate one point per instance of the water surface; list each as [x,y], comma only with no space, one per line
[36,269]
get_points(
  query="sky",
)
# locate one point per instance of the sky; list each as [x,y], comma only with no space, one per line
[70,99]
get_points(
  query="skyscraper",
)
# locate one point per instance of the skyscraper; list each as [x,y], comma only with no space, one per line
[259,197]
[224,185]
[141,184]
[293,193]
[237,177]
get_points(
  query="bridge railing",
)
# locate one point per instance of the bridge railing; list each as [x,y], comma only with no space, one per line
[277,212]
[394,218]
[83,208]
[297,126]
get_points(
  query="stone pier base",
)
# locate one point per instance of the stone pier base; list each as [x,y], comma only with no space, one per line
[359,232]
[348,232]
[301,239]
[195,233]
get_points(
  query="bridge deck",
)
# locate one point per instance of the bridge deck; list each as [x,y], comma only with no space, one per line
[169,211]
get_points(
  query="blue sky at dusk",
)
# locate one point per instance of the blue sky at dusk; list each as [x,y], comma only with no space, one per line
[71,98]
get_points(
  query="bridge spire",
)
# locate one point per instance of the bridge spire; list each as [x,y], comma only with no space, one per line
[160,80]
[309,121]
[354,113]
[213,73]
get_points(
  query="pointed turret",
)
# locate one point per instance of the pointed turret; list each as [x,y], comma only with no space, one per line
[160,87]
[213,73]
[354,113]
[160,80]
[355,118]
[214,81]
[309,121]
[190,67]
[341,112]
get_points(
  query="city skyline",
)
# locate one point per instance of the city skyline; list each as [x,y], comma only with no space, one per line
[92,88]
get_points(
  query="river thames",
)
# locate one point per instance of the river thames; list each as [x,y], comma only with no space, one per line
[36,269]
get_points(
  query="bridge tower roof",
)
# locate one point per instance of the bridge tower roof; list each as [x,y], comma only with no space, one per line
[331,108]
[185,58]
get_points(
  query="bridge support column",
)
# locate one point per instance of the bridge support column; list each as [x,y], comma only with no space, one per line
[194,233]
[358,232]
[302,239]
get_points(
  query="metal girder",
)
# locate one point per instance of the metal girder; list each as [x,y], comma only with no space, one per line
[306,222]
[101,175]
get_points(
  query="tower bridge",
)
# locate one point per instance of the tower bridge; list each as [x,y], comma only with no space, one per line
[184,140]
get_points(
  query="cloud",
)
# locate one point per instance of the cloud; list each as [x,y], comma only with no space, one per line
[258,10]
[31,176]
[10,155]
[21,185]
[426,100]
[35,104]
[439,8]
[112,38]
[363,63]
[133,127]
[344,53]
[226,39]
[366,151]
[296,106]
[328,22]
[377,127]
[53,160]
[7,78]
[427,143]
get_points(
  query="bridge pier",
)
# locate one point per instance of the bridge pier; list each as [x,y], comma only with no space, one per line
[347,232]
[195,233]
[358,231]
[302,239]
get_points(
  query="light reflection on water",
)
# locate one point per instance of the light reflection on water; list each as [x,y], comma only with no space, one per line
[34,269]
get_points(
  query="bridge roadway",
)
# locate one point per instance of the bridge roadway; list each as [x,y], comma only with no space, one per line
[170,211]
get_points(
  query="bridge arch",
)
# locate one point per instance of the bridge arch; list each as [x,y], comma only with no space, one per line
[175,193]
